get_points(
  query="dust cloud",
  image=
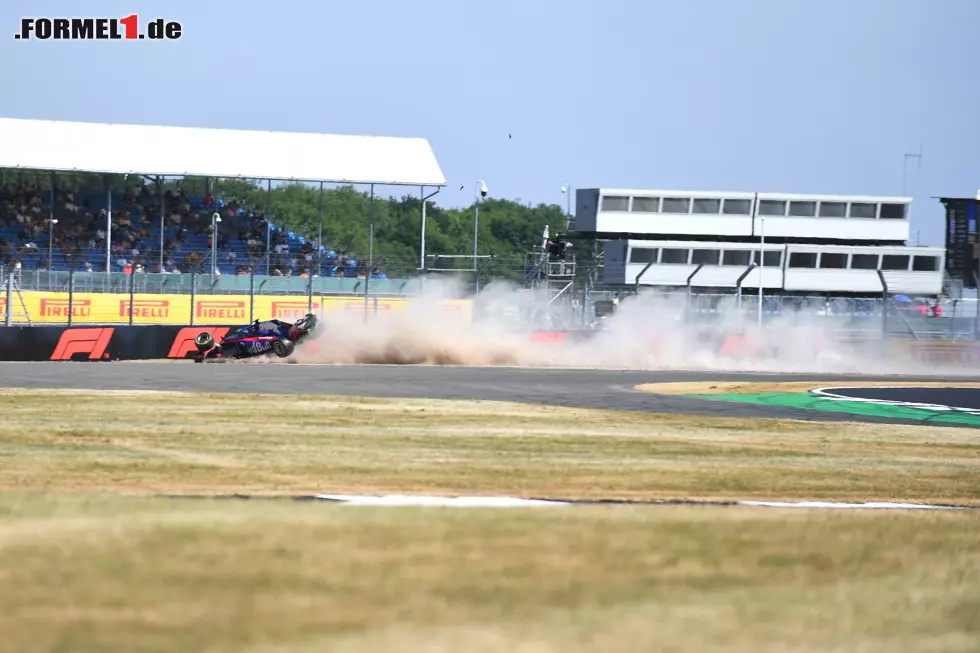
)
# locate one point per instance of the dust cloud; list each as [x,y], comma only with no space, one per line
[649,332]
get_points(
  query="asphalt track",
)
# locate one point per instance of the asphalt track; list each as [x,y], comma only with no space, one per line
[608,389]
[966,398]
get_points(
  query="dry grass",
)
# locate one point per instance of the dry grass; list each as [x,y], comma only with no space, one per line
[89,563]
[88,574]
[153,443]
[742,387]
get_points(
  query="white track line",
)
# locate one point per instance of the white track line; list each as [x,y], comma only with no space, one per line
[508,502]
[825,394]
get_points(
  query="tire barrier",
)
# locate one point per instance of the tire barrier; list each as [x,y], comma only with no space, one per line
[129,343]
[114,343]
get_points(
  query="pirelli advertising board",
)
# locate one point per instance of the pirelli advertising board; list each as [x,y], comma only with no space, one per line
[231,310]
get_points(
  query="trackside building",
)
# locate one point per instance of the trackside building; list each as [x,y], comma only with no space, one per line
[799,244]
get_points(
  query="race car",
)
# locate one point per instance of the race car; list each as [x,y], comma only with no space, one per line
[257,339]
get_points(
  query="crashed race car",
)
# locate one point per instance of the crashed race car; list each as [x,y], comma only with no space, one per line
[257,339]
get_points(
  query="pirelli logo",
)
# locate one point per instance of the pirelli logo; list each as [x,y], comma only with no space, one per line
[145,308]
[61,308]
[291,310]
[220,309]
[359,306]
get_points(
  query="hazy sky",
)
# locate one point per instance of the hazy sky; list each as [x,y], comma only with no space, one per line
[760,95]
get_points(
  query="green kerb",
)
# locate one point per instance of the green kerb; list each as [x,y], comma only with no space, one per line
[813,402]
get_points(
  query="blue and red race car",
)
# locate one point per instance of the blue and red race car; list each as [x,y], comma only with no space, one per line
[257,339]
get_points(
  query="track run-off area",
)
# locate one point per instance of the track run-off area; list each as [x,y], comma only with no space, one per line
[798,397]
[727,395]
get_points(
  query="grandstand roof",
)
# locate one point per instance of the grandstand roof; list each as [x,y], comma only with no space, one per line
[226,153]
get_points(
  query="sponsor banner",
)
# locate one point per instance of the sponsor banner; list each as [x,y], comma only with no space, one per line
[227,310]
[108,343]
[937,351]
[548,336]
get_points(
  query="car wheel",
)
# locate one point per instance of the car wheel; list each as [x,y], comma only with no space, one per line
[204,342]
[283,348]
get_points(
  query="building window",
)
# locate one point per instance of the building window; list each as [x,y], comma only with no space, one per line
[803,260]
[706,256]
[864,261]
[615,203]
[833,261]
[892,211]
[894,262]
[772,259]
[833,209]
[737,257]
[803,209]
[646,204]
[676,205]
[737,207]
[772,207]
[643,255]
[707,206]
[674,256]
[863,210]
[925,264]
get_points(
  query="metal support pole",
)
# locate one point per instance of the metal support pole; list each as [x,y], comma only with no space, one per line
[71,294]
[422,239]
[163,212]
[640,276]
[8,319]
[689,279]
[268,227]
[884,306]
[215,219]
[976,319]
[371,230]
[952,321]
[51,223]
[268,199]
[422,228]
[762,261]
[193,292]
[132,294]
[108,226]
[367,283]
[251,296]
[738,289]
[309,292]
[476,230]
[319,237]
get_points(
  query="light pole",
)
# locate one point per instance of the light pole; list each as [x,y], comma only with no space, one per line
[215,219]
[481,192]
[53,222]
[762,263]
[566,191]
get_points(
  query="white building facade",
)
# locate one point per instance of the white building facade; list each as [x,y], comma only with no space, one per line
[811,243]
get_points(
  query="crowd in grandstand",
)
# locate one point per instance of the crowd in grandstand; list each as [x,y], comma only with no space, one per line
[77,224]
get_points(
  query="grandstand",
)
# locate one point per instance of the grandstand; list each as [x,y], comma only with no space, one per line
[245,238]
[50,225]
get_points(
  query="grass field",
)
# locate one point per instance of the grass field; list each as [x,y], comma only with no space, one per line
[92,559]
